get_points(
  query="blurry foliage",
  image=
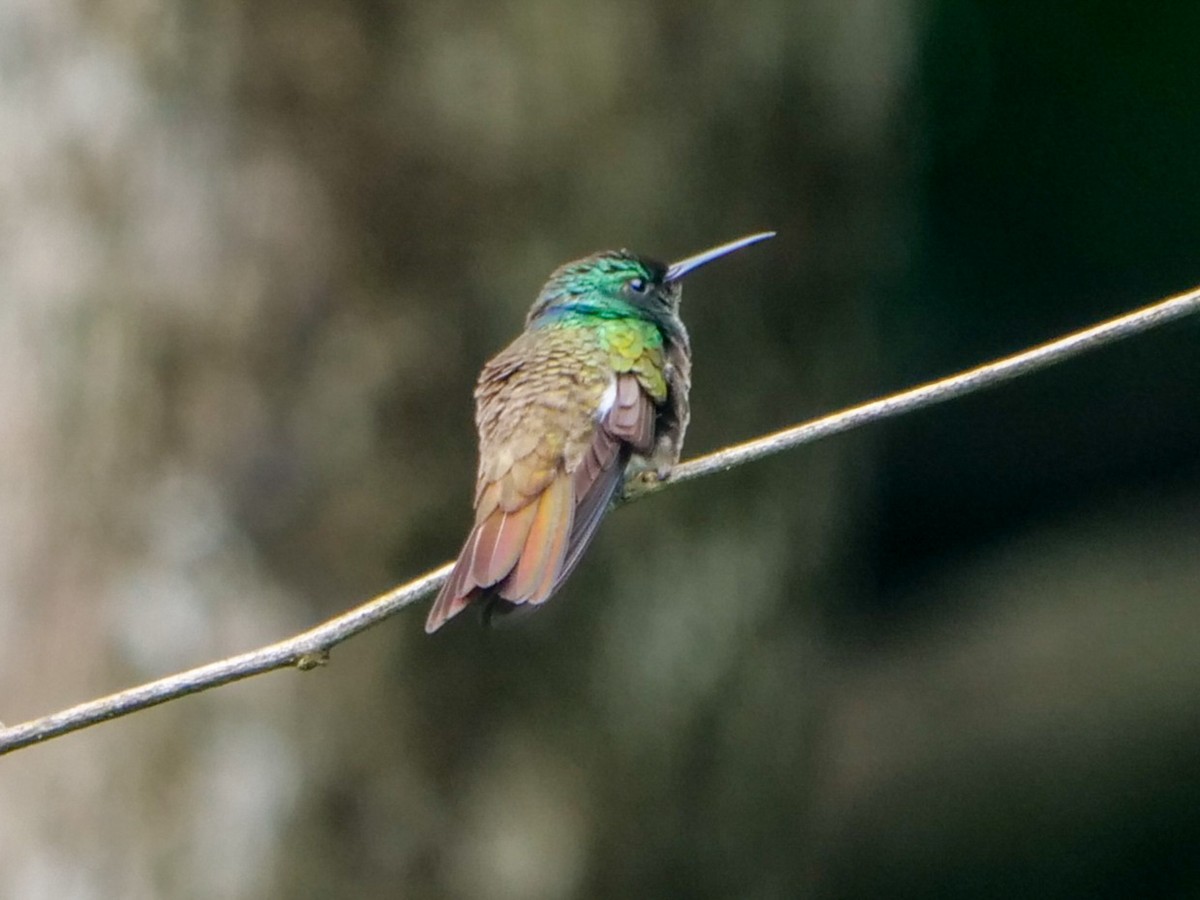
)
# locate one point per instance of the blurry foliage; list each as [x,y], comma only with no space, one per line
[253,256]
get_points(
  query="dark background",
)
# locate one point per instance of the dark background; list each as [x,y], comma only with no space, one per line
[252,256]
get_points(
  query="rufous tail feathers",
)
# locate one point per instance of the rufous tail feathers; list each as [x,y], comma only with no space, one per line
[514,555]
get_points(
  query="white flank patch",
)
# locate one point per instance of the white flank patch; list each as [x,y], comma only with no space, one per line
[607,399]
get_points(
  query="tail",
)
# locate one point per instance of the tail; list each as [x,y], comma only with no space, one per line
[517,556]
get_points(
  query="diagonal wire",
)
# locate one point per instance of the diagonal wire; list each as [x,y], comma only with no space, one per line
[311,648]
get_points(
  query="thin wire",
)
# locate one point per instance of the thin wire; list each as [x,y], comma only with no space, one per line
[311,648]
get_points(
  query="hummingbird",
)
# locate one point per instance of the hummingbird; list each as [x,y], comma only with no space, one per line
[594,389]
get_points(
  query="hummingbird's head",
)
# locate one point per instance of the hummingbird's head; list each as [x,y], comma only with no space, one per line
[610,284]
[618,284]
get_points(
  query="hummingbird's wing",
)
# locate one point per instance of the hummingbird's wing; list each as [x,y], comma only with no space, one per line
[628,428]
[543,487]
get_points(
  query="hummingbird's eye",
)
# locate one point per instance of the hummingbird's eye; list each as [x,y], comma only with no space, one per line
[637,285]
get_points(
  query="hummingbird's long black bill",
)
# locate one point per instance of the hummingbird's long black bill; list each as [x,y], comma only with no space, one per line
[677,270]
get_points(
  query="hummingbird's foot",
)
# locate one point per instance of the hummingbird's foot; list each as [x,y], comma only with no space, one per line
[642,483]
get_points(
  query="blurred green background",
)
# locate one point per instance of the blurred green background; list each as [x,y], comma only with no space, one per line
[252,256]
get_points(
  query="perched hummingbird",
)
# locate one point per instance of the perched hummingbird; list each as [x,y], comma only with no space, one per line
[599,378]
